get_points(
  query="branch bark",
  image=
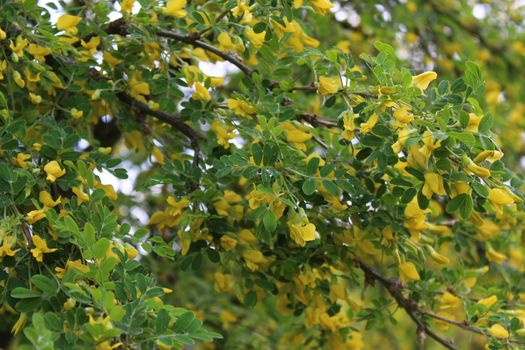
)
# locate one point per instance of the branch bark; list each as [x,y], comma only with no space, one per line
[194,40]
[395,287]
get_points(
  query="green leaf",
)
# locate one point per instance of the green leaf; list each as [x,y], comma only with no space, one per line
[309,186]
[465,137]
[183,322]
[462,203]
[24,293]
[465,210]
[270,154]
[486,123]
[257,153]
[480,189]
[312,166]
[45,284]
[331,187]
[270,221]
[162,321]
[101,248]
[473,76]
[250,299]
[89,234]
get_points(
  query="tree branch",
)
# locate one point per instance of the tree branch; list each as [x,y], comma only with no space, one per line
[395,287]
[168,118]
[193,40]
[315,120]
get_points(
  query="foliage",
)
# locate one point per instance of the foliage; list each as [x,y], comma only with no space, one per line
[322,191]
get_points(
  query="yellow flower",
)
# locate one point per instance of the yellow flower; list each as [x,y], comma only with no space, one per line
[227,318]
[247,236]
[47,201]
[369,125]
[201,93]
[433,184]
[20,160]
[18,79]
[228,205]
[473,122]
[39,52]
[422,80]
[81,196]
[448,301]
[153,105]
[499,196]
[257,39]
[105,345]
[440,259]
[224,133]
[428,144]
[3,66]
[71,264]
[402,137]
[253,259]
[478,170]
[19,324]
[407,271]
[176,208]
[69,304]
[7,246]
[110,59]
[228,243]
[242,10]
[296,135]
[494,256]
[3,35]
[18,46]
[139,89]
[225,42]
[131,251]
[498,331]
[329,85]
[159,156]
[126,6]
[302,233]
[175,8]
[30,77]
[321,6]
[68,23]
[489,155]
[108,190]
[489,301]
[76,114]
[35,99]
[40,248]
[241,107]
[53,171]
[349,126]
[35,215]
[133,140]
[223,282]
[402,116]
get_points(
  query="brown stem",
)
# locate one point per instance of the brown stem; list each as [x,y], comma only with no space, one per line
[395,287]
[193,40]
[171,119]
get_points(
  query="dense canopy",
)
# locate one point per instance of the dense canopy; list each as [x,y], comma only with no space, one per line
[262,174]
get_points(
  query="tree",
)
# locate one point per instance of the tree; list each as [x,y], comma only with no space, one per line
[312,174]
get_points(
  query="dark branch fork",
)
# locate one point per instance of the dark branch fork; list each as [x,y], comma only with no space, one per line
[395,287]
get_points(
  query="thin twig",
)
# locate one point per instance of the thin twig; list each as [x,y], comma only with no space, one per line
[193,40]
[395,288]
[315,120]
[171,119]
